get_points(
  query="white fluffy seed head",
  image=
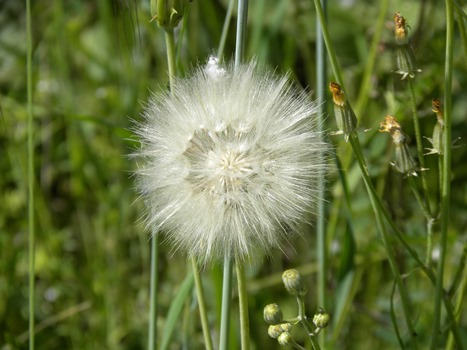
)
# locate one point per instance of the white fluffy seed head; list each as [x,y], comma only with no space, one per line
[231,162]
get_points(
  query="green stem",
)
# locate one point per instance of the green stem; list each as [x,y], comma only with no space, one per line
[225,30]
[321,246]
[31,226]
[152,339]
[418,138]
[327,39]
[370,63]
[384,235]
[243,304]
[225,309]
[430,220]
[446,194]
[170,45]
[202,305]
[241,31]
[418,196]
[303,320]
[461,286]
[372,192]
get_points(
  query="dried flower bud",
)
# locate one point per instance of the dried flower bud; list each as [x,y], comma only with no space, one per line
[405,58]
[168,13]
[272,314]
[294,283]
[401,29]
[321,319]
[438,131]
[345,116]
[404,161]
[405,62]
[274,331]
[284,339]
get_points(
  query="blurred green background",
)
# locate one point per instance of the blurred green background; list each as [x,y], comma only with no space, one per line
[94,65]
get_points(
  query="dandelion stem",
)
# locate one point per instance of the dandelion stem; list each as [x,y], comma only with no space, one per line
[153,295]
[226,288]
[321,83]
[202,305]
[446,185]
[241,31]
[421,158]
[243,303]
[170,45]
[225,310]
[31,226]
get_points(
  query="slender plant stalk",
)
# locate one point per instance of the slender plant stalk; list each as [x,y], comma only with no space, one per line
[421,158]
[202,305]
[171,62]
[31,226]
[459,283]
[243,303]
[322,249]
[152,336]
[377,201]
[227,290]
[225,309]
[446,194]
[370,63]
[225,30]
[303,320]
[384,235]
[361,161]
[327,39]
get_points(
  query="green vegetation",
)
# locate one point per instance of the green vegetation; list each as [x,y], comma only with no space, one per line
[94,63]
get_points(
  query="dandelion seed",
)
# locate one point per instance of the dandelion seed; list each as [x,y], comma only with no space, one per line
[231,162]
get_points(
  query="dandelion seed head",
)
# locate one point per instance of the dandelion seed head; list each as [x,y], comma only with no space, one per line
[231,162]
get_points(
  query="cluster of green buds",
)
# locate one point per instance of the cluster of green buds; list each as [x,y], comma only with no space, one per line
[279,328]
[404,161]
[405,58]
[168,13]
[437,139]
[345,116]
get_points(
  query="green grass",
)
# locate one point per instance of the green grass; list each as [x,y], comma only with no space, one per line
[93,66]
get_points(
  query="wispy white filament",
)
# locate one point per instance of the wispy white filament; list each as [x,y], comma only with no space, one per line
[231,161]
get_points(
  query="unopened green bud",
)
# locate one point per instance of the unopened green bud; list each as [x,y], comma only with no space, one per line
[284,339]
[272,314]
[168,13]
[286,327]
[321,319]
[345,117]
[294,283]
[274,331]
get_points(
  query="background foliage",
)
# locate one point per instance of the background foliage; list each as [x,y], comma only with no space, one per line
[94,64]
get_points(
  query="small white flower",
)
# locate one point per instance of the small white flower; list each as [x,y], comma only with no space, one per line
[231,161]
